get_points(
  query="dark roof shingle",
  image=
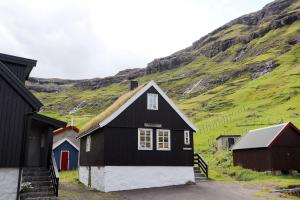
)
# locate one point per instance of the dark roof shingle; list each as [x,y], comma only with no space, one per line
[259,138]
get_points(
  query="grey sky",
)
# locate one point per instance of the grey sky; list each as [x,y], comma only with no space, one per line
[94,38]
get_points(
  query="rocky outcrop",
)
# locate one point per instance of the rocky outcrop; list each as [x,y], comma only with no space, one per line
[57,85]
[170,62]
[274,15]
[255,70]
[215,44]
[44,88]
[103,82]
[217,47]
[55,81]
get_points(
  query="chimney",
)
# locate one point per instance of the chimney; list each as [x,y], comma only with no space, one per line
[133,85]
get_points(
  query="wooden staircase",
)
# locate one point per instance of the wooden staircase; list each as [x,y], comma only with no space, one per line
[42,183]
[39,180]
[200,168]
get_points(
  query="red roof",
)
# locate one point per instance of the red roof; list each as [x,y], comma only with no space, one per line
[58,131]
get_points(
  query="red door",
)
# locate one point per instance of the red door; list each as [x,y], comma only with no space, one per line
[64,162]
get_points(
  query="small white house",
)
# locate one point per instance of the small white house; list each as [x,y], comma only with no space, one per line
[226,141]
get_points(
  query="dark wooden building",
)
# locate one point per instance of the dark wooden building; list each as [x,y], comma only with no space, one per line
[143,139]
[25,135]
[269,149]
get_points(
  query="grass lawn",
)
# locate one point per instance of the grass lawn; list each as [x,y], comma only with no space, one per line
[68,176]
[71,189]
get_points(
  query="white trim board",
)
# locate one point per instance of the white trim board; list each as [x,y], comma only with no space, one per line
[133,99]
[137,95]
[58,143]
[277,134]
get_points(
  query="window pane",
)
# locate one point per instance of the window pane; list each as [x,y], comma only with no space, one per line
[166,145]
[166,139]
[160,139]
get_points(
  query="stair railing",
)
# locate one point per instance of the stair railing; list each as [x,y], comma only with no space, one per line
[199,161]
[54,174]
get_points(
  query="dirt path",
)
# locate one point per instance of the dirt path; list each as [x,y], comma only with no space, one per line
[71,191]
[208,190]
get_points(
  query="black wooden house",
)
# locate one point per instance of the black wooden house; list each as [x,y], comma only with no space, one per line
[142,140]
[25,135]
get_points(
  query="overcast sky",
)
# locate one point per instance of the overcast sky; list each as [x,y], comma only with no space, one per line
[86,39]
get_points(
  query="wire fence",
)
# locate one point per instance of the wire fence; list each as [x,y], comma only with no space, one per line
[243,119]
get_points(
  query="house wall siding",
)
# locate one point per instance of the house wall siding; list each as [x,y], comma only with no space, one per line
[13,111]
[285,158]
[121,148]
[96,155]
[256,159]
[285,151]
[289,138]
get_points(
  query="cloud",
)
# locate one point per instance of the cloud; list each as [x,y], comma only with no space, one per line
[96,38]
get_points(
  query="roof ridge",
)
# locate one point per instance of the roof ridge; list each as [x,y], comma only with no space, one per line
[20,88]
[268,127]
[59,142]
[132,99]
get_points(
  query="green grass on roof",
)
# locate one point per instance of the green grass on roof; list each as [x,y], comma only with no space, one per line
[110,110]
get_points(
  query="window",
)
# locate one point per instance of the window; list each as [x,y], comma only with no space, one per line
[88,144]
[230,142]
[187,137]
[152,101]
[163,140]
[145,139]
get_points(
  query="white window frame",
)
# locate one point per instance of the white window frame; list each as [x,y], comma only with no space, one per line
[169,140]
[149,105]
[88,143]
[151,139]
[187,139]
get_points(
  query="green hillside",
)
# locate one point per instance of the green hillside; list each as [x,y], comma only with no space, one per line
[250,79]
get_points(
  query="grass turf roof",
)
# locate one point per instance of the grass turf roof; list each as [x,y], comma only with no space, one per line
[110,110]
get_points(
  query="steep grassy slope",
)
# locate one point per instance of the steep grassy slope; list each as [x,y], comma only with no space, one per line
[250,79]
[226,107]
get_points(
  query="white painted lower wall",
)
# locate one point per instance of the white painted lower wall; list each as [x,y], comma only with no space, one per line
[8,183]
[84,175]
[116,178]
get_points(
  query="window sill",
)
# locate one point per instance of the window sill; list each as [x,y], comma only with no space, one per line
[145,149]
